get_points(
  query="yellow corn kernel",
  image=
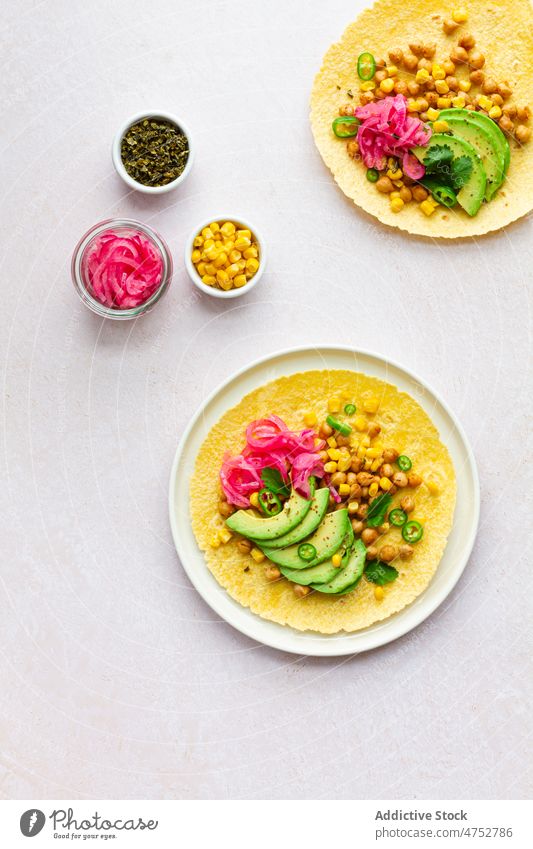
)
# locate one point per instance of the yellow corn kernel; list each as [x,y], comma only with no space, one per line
[209,280]
[437,71]
[336,560]
[365,441]
[344,463]
[427,208]
[221,260]
[373,452]
[440,127]
[376,464]
[330,467]
[233,269]
[228,228]
[360,424]
[234,256]
[334,454]
[217,236]
[367,464]
[458,102]
[332,442]
[310,419]
[373,489]
[370,404]
[210,253]
[224,535]
[495,112]
[246,234]
[254,500]
[484,101]
[397,204]
[242,242]
[442,87]
[385,484]
[379,593]
[251,253]
[361,452]
[460,16]
[392,70]
[241,263]
[214,542]
[214,227]
[210,268]
[368,86]
[198,241]
[222,276]
[422,75]
[229,245]
[257,555]
[207,233]
[334,405]
[444,102]
[386,85]
[465,85]
[196,256]
[394,195]
[239,281]
[433,487]
[201,269]
[344,489]
[433,114]
[392,162]
[412,105]
[395,175]
[252,265]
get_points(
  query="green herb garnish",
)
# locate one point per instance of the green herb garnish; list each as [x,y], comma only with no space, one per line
[274,482]
[380,573]
[461,171]
[154,152]
[378,510]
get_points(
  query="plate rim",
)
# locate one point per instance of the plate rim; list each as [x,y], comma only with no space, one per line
[328,646]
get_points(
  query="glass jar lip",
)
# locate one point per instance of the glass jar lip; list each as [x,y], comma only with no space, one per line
[79,283]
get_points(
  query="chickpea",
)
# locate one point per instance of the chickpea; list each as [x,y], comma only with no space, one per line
[410,62]
[423,117]
[477,77]
[396,56]
[504,90]
[342,441]
[406,194]
[393,490]
[380,63]
[384,528]
[453,83]
[467,41]
[523,113]
[424,63]
[449,26]
[390,455]
[379,76]
[373,430]
[417,48]
[371,552]
[324,456]
[366,97]
[510,111]
[506,125]
[337,478]
[432,97]
[362,512]
[476,60]
[357,526]
[244,546]
[301,592]
[356,464]
[406,551]
[448,67]
[365,478]
[429,85]
[351,478]
[413,479]
[490,86]
[379,94]
[423,104]
[225,509]
[369,536]
[400,87]
[353,148]
[325,430]
[497,99]
[522,134]
[413,88]
[386,470]
[399,479]
[331,501]
[385,185]
[388,553]
[272,573]
[459,55]
[355,491]
[429,51]
[347,109]
[364,493]
[407,504]
[419,194]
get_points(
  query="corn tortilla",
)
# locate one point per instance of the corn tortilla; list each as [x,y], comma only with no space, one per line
[405,426]
[503,33]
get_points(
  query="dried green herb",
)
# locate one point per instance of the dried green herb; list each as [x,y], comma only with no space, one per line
[154,152]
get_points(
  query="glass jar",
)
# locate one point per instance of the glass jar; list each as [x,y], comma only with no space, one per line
[81,275]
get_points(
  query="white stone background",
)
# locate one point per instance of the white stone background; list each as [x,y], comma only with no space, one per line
[117,680]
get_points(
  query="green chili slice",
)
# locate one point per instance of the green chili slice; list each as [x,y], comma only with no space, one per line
[341,427]
[350,409]
[397,517]
[404,463]
[345,126]
[306,552]
[372,175]
[412,531]
[442,194]
[366,66]
[269,502]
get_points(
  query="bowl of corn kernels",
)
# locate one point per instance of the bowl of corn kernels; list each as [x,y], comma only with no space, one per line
[225,257]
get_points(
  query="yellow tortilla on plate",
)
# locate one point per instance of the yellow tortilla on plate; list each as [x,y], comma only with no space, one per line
[405,426]
[503,33]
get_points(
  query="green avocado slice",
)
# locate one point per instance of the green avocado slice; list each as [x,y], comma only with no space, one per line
[250,525]
[309,523]
[327,539]
[322,573]
[488,140]
[347,578]
[470,197]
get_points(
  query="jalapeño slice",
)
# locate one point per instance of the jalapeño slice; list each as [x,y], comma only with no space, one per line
[341,427]
[269,502]
[397,517]
[345,126]
[412,531]
[366,66]
[306,552]
[404,463]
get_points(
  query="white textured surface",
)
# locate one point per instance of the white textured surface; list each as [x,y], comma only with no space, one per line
[117,681]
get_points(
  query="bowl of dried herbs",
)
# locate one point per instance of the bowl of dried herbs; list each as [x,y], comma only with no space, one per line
[152,152]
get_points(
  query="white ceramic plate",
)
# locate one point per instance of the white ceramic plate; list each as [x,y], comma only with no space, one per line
[460,541]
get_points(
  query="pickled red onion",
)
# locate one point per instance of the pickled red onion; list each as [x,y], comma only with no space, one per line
[122,269]
[387,129]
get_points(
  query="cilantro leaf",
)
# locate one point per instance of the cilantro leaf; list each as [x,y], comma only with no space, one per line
[438,159]
[461,171]
[274,482]
[380,573]
[378,509]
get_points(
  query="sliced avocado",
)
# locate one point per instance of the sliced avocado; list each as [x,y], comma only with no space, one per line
[487,139]
[327,539]
[322,573]
[470,197]
[310,523]
[250,525]
[347,578]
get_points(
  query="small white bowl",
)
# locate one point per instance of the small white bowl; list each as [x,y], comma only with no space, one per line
[156,114]
[214,291]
